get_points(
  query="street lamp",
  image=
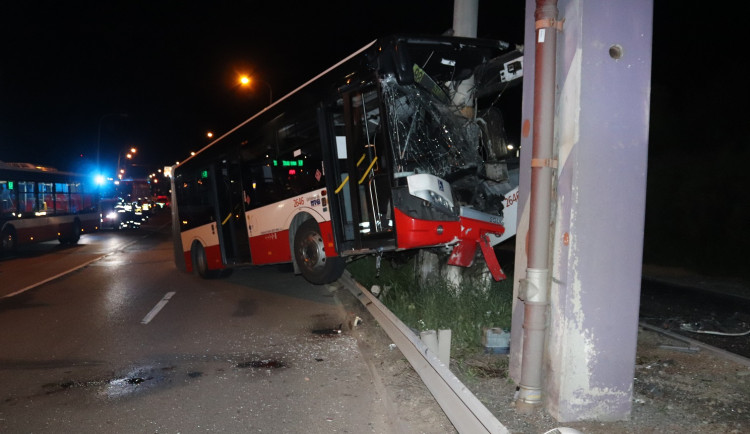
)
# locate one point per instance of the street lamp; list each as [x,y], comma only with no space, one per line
[129,155]
[245,81]
[99,134]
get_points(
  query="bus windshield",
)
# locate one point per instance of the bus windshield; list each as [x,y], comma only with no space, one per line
[440,103]
[429,135]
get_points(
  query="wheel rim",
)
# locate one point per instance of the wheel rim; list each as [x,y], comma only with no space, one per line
[312,252]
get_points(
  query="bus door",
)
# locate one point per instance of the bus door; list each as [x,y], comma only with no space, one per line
[230,203]
[368,196]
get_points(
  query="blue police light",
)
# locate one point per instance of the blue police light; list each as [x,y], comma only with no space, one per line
[99,180]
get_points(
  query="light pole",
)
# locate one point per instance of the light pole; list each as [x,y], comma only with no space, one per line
[245,80]
[99,135]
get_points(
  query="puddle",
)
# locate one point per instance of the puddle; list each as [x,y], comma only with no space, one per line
[262,364]
[136,381]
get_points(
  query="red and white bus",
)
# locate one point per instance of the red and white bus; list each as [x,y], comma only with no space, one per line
[41,204]
[399,146]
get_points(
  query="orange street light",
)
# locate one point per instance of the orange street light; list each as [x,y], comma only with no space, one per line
[129,156]
[245,80]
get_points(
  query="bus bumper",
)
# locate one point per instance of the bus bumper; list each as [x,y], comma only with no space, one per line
[476,228]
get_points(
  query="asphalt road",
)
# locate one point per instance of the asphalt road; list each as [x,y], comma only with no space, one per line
[87,353]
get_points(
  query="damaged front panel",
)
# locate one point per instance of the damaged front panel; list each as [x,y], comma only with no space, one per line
[438,125]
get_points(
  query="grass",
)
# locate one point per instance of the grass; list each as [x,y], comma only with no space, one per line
[439,305]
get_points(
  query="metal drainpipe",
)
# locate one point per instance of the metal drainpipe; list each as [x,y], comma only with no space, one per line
[535,287]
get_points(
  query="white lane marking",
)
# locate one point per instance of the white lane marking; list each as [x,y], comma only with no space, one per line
[146,319]
[116,249]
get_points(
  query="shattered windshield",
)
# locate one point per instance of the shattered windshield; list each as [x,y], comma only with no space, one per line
[428,132]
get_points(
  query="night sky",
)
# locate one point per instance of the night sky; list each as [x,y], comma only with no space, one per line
[172,67]
[68,68]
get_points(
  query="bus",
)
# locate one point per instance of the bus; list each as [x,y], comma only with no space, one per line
[40,203]
[399,146]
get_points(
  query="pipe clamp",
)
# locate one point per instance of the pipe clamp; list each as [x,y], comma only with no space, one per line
[549,22]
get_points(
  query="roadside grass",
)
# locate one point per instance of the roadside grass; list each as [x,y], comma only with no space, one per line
[466,311]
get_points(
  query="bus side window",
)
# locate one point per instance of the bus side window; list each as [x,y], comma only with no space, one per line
[61,197]
[7,200]
[26,197]
[194,199]
[76,201]
[46,198]
[299,166]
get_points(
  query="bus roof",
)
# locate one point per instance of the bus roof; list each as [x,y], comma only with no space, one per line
[386,43]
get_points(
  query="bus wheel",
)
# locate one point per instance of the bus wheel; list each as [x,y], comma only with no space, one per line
[200,263]
[9,241]
[310,255]
[73,236]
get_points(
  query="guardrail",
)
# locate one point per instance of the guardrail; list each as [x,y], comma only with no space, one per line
[465,411]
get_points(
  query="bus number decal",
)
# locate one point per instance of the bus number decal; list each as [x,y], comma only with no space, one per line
[510,200]
[299,202]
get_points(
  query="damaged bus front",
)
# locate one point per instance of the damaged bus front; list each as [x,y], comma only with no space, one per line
[447,148]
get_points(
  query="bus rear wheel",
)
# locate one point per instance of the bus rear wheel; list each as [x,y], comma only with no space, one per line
[74,236]
[9,244]
[200,263]
[310,255]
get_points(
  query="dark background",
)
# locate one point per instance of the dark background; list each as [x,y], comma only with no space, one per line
[68,68]
[173,66]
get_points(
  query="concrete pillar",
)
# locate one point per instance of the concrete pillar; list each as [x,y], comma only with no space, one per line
[602,113]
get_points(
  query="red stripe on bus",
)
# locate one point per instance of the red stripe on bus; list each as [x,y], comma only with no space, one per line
[188,261]
[326,231]
[213,257]
[412,233]
[271,248]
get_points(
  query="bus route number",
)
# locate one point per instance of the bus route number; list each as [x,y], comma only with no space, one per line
[510,200]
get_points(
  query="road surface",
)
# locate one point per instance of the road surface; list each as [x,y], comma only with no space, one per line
[128,343]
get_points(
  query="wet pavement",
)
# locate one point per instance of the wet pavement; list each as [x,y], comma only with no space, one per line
[253,352]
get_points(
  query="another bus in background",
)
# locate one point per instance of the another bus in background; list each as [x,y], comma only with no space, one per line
[40,203]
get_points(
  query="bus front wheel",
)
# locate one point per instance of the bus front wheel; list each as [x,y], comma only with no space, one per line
[310,255]
[200,263]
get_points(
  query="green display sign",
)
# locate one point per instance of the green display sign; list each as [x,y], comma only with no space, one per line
[289,163]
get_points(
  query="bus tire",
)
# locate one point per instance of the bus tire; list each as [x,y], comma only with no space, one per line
[74,236]
[200,263]
[9,243]
[310,255]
